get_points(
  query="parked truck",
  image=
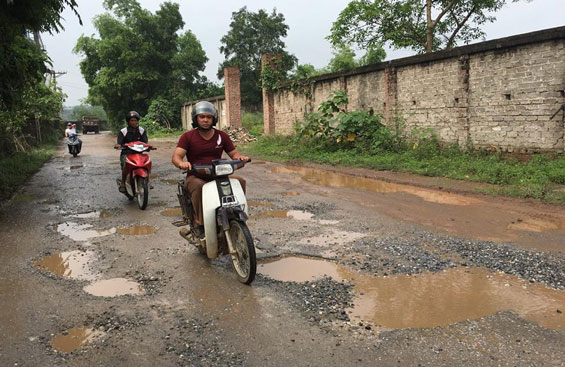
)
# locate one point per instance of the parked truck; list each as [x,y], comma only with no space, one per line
[90,123]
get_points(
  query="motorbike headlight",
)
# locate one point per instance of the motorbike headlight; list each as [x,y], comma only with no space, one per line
[224,169]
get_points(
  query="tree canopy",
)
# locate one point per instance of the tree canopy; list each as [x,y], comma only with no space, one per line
[421,25]
[250,36]
[24,93]
[139,59]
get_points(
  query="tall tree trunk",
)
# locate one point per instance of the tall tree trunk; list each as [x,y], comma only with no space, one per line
[429,26]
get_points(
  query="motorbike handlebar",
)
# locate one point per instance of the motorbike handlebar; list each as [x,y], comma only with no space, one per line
[198,168]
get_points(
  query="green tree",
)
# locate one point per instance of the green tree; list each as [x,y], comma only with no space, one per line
[85,110]
[343,59]
[24,95]
[422,25]
[250,36]
[373,55]
[140,57]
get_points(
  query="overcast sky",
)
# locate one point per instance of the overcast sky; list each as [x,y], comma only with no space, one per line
[309,23]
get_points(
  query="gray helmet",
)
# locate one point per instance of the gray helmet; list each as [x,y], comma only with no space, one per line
[132,114]
[204,107]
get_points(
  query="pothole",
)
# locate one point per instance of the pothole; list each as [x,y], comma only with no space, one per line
[430,299]
[333,179]
[170,181]
[114,287]
[141,230]
[72,264]
[75,338]
[172,212]
[94,214]
[82,232]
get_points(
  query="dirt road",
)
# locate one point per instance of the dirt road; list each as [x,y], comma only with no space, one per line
[353,271]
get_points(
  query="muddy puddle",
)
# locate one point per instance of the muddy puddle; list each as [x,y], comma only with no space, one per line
[172,212]
[290,193]
[72,264]
[431,299]
[114,287]
[138,230]
[333,179]
[72,167]
[537,225]
[82,232]
[74,339]
[94,214]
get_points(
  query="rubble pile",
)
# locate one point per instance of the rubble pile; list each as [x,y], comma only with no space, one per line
[239,135]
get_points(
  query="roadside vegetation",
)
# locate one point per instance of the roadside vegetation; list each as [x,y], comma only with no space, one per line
[17,168]
[359,139]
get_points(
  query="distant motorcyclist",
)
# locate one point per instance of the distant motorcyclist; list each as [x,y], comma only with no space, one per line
[132,132]
[70,131]
[200,146]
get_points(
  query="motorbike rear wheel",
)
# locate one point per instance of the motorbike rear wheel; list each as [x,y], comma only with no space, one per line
[141,192]
[244,260]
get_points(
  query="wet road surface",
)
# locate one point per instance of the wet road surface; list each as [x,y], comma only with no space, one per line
[352,271]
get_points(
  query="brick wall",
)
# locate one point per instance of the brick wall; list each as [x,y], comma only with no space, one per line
[497,94]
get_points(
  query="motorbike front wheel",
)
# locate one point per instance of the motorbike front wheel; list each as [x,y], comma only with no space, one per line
[244,260]
[141,192]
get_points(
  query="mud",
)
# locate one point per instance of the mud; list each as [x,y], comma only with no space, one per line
[114,287]
[431,299]
[74,339]
[82,232]
[72,264]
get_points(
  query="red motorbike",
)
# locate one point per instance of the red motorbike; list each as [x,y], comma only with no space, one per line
[138,169]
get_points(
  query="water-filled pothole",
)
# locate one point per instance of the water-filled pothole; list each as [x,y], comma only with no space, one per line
[75,339]
[170,181]
[114,287]
[94,214]
[430,299]
[142,230]
[335,236]
[172,212]
[333,179]
[72,264]
[290,193]
[82,232]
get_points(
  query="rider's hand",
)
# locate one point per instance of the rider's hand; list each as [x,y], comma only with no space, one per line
[244,158]
[117,146]
[185,166]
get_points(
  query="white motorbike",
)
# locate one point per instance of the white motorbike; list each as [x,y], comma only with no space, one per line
[224,208]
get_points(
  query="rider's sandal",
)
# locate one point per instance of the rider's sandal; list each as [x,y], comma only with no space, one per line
[122,189]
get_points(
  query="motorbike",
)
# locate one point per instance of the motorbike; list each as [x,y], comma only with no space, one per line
[225,209]
[138,168]
[74,144]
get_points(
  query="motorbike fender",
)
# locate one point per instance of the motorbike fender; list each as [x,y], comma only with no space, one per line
[139,172]
[211,202]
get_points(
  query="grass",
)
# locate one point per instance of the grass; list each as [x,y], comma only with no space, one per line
[542,177]
[253,122]
[17,168]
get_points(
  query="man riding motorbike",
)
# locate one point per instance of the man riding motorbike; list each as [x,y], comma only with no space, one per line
[200,146]
[72,130]
[130,133]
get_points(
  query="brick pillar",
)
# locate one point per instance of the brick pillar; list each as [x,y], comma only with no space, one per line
[391,96]
[268,96]
[233,96]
